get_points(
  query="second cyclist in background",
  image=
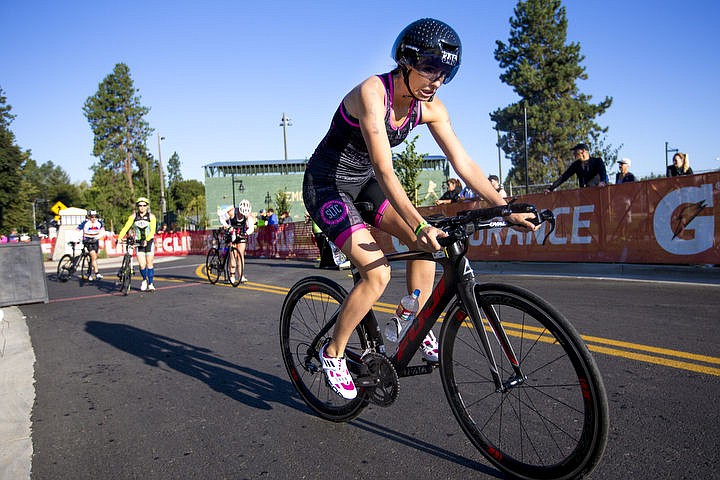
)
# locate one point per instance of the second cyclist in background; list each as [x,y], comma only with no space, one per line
[144,225]
[93,231]
[239,224]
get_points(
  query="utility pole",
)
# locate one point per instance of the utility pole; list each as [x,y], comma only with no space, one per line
[162,180]
[285,122]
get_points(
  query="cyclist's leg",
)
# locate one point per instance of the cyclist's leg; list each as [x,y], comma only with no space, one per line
[420,274]
[374,271]
[149,257]
[142,266]
[241,249]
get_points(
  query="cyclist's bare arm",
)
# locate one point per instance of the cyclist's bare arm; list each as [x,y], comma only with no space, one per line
[436,117]
[367,103]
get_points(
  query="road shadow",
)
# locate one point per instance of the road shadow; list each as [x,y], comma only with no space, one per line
[424,447]
[254,388]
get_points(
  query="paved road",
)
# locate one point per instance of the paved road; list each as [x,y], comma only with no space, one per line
[188,382]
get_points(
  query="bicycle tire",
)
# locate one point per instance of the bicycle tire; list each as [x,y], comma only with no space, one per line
[125,276]
[64,268]
[234,253]
[306,311]
[213,265]
[555,423]
[85,268]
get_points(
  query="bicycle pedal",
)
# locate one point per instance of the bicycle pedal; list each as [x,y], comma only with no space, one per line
[366,382]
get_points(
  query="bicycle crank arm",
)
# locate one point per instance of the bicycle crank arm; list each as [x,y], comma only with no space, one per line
[413,370]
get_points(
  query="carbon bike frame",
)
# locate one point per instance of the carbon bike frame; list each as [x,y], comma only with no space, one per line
[458,280]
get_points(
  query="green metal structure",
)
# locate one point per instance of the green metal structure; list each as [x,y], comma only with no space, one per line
[261,181]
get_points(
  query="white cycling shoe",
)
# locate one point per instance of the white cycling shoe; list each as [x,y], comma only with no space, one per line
[429,348]
[143,286]
[337,375]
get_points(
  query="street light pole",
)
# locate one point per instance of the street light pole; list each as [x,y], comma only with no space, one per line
[668,150]
[162,179]
[285,122]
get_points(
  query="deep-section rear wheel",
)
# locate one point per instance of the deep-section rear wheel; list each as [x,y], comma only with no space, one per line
[306,321]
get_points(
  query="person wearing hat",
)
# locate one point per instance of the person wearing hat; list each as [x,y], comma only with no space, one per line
[624,175]
[590,171]
[93,231]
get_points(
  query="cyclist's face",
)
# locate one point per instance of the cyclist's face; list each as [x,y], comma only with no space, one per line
[425,83]
[142,206]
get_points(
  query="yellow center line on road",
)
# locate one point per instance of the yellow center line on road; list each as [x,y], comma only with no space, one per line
[595,344]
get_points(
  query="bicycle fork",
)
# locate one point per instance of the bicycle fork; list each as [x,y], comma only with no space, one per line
[466,292]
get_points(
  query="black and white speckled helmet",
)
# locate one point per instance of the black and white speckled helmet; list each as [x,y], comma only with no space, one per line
[429,44]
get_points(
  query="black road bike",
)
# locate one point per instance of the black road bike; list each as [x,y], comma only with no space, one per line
[518,377]
[68,264]
[126,268]
[218,262]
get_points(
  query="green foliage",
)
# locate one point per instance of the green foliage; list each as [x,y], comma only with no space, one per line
[117,120]
[174,175]
[183,192]
[282,202]
[407,165]
[543,71]
[11,158]
[110,196]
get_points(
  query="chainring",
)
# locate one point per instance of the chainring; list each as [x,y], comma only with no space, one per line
[386,391]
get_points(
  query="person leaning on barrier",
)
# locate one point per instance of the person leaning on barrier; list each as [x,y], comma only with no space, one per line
[452,194]
[680,166]
[624,175]
[590,171]
[495,181]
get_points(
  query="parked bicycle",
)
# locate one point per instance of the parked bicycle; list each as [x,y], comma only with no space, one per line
[68,264]
[218,262]
[517,375]
[126,268]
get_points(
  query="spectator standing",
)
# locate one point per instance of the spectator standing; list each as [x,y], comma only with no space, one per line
[624,175]
[590,171]
[272,227]
[452,194]
[680,166]
[13,237]
[495,181]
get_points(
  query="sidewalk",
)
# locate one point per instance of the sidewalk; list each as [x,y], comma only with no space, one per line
[656,273]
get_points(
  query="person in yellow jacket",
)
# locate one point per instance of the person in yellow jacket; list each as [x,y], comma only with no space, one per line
[144,225]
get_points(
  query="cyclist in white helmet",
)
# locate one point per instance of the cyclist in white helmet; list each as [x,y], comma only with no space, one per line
[353,163]
[144,225]
[93,231]
[239,224]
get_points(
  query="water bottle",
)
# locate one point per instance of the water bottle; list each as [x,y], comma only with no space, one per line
[404,315]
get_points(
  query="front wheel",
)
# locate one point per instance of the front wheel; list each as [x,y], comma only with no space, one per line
[234,277]
[306,321]
[125,275]
[85,268]
[64,268]
[552,424]
[213,265]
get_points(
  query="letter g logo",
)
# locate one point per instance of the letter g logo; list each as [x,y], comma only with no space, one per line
[678,212]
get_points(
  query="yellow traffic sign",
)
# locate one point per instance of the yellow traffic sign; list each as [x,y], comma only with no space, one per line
[57,207]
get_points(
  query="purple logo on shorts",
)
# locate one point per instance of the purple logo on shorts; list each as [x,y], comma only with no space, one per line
[333,212]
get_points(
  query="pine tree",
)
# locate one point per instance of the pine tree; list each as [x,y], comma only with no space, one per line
[543,71]
[118,124]
[407,165]
[11,158]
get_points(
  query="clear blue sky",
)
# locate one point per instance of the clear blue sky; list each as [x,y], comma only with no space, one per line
[218,75]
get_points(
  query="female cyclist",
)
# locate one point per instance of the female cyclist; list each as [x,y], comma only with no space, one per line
[144,224]
[239,224]
[353,163]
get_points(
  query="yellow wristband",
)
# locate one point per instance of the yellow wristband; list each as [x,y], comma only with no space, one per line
[419,228]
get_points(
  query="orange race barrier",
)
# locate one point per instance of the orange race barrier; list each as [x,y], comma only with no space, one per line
[663,221]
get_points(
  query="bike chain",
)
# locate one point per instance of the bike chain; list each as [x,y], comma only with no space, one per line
[386,391]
